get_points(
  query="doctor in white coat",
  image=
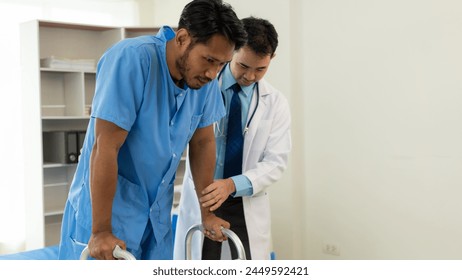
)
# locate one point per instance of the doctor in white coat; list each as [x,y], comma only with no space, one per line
[267,144]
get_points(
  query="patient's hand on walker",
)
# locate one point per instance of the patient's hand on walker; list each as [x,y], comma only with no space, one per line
[102,245]
[212,227]
[216,193]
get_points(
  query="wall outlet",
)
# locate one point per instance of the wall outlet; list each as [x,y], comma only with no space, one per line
[331,249]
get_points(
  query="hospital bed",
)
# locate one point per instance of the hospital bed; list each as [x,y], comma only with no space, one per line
[51,253]
[47,253]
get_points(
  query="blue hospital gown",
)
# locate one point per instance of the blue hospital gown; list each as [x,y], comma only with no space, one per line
[134,90]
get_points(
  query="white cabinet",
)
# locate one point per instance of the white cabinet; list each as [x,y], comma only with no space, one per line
[58,63]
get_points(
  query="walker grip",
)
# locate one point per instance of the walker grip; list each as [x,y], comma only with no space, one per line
[118,253]
[227,232]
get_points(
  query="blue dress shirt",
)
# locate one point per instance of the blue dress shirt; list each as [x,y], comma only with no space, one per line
[242,183]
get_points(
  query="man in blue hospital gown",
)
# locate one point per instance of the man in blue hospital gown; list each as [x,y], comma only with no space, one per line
[154,95]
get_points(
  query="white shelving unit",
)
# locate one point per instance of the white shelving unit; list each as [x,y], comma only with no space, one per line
[58,100]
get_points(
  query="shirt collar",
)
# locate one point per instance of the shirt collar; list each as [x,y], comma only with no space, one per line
[166,33]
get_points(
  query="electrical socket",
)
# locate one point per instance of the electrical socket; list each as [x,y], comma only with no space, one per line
[331,249]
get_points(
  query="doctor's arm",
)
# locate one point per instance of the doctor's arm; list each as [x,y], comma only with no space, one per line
[202,163]
[103,179]
[265,165]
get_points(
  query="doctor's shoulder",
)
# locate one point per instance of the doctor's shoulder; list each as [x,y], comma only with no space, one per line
[274,94]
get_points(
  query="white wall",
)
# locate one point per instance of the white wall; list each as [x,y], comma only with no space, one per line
[382,103]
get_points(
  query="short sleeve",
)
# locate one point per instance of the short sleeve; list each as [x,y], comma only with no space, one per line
[214,109]
[120,83]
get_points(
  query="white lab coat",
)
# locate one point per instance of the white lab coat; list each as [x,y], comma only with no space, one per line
[266,149]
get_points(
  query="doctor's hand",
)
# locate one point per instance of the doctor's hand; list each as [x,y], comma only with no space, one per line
[216,193]
[102,244]
[212,227]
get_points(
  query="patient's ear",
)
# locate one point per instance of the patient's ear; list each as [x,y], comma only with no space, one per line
[182,38]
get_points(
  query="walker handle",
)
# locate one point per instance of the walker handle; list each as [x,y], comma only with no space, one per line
[227,232]
[118,253]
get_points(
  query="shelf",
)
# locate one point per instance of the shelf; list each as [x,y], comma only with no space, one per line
[66,25]
[177,189]
[54,212]
[176,195]
[48,69]
[75,41]
[54,185]
[52,229]
[58,176]
[53,106]
[54,200]
[66,117]
[64,123]
[57,165]
[130,32]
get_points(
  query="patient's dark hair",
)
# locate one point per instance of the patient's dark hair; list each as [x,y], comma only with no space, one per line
[205,18]
[262,37]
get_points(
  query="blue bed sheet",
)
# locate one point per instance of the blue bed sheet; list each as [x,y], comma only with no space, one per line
[47,253]
[51,252]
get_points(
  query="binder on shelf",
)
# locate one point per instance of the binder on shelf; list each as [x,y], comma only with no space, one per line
[81,139]
[62,146]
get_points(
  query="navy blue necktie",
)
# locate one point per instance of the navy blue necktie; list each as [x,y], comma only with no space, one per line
[235,138]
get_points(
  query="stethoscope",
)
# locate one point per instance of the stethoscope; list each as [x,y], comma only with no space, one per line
[256,105]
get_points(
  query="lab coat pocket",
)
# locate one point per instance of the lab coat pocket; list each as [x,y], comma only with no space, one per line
[260,212]
[260,138]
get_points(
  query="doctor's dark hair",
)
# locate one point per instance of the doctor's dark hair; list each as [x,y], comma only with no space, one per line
[262,37]
[205,18]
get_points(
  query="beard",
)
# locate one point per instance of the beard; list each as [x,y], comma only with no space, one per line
[183,67]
